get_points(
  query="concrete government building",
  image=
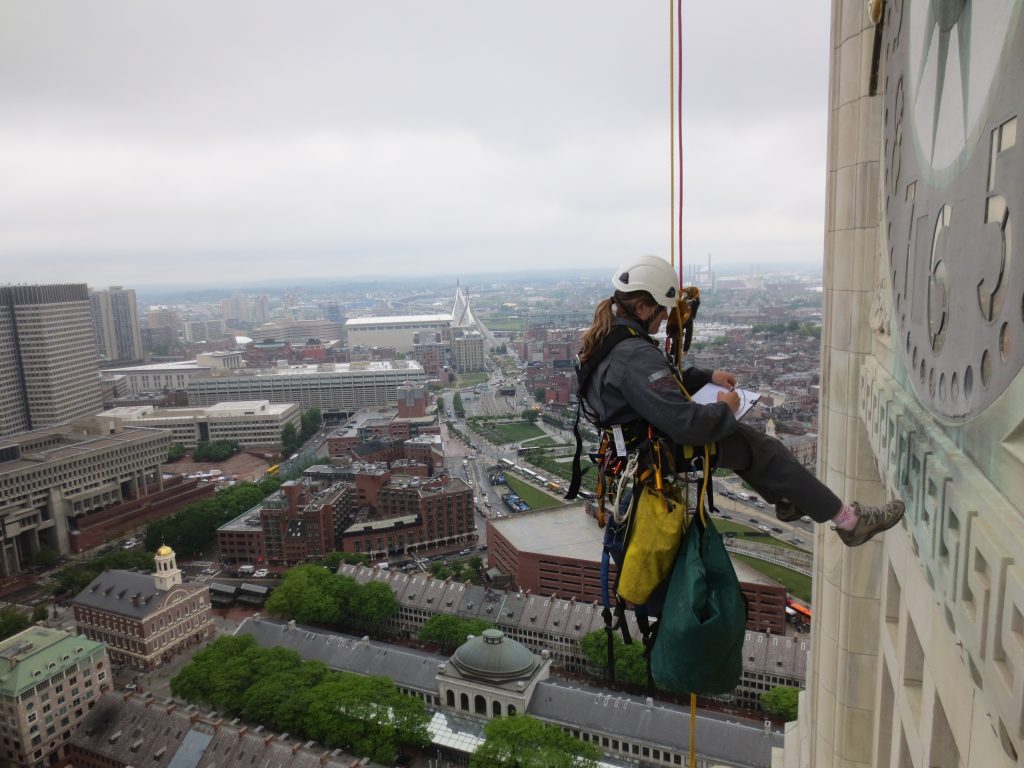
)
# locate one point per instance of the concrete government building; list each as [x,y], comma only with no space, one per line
[918,640]
[253,423]
[49,476]
[335,388]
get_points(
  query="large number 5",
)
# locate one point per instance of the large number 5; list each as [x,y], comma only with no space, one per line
[990,300]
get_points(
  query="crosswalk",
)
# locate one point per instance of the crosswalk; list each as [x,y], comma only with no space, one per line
[24,610]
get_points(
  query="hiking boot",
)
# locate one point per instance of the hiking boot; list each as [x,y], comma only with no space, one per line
[785,511]
[872,520]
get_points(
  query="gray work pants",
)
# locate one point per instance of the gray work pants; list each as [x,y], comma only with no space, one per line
[768,467]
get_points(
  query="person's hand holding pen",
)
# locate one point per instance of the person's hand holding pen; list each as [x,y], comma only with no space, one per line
[723,379]
[728,380]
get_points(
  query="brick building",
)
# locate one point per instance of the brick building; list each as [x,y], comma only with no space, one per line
[559,553]
[295,524]
[402,513]
[144,618]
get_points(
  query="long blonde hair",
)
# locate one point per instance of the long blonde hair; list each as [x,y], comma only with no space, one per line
[604,315]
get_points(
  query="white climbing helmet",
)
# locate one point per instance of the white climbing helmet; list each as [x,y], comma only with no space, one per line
[651,274]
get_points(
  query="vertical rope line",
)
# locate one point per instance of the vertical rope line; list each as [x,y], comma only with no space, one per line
[693,729]
[672,128]
[679,125]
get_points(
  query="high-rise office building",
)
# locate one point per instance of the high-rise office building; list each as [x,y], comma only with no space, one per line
[918,636]
[48,365]
[116,322]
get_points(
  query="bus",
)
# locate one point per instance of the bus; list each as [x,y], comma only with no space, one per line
[800,613]
[273,469]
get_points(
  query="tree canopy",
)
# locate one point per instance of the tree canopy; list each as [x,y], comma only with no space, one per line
[310,594]
[273,686]
[289,439]
[449,632]
[215,451]
[194,528]
[333,559]
[311,421]
[782,701]
[76,577]
[630,666]
[521,741]
[11,623]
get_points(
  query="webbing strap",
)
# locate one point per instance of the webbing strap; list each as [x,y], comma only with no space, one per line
[584,373]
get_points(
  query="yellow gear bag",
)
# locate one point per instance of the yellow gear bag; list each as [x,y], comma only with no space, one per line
[657,523]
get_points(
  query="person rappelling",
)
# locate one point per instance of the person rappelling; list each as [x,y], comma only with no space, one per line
[631,386]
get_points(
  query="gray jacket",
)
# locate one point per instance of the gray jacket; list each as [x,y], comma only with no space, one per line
[635,382]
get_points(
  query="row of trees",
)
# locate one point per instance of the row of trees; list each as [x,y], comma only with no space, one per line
[521,741]
[449,632]
[12,622]
[194,528]
[292,439]
[310,594]
[218,450]
[367,716]
[73,578]
[631,670]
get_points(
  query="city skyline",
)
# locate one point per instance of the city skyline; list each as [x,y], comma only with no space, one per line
[340,140]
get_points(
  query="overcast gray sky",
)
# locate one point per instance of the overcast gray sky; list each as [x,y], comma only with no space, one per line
[160,141]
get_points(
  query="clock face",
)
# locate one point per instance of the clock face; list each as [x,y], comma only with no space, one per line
[954,187]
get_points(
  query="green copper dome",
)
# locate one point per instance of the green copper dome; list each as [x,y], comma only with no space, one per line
[494,657]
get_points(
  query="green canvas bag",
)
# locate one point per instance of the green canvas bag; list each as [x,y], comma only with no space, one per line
[698,647]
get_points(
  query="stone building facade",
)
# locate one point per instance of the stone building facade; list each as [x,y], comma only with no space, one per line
[918,659]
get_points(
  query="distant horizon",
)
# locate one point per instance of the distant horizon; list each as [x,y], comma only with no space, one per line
[325,284]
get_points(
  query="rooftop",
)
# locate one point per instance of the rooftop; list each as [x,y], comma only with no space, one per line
[566,532]
[65,442]
[38,653]
[328,369]
[356,322]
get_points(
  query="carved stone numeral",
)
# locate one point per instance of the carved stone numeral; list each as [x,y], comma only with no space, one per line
[992,288]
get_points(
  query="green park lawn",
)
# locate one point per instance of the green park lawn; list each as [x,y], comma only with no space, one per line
[515,431]
[755,535]
[796,583]
[536,498]
[471,379]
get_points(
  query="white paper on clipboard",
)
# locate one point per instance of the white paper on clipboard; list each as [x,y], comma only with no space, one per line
[709,394]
